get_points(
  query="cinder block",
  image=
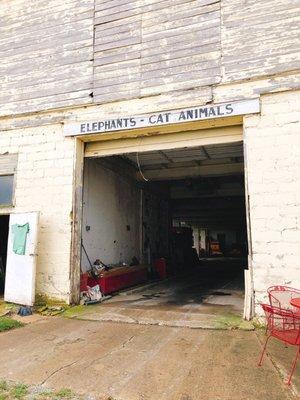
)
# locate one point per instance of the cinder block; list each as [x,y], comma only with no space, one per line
[274,202]
[45,185]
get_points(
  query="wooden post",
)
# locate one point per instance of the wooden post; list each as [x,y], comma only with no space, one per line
[249,291]
[77,222]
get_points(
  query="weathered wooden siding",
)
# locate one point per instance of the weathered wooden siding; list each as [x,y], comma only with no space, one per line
[259,38]
[148,47]
[46,52]
[64,53]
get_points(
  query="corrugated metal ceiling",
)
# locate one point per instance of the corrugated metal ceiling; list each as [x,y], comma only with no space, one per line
[188,156]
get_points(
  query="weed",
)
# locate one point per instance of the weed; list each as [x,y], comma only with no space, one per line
[8,323]
[64,393]
[233,321]
[3,385]
[45,393]
[19,391]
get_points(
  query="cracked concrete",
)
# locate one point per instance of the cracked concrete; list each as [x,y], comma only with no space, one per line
[139,362]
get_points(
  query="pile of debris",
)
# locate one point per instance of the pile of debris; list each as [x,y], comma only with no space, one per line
[92,294]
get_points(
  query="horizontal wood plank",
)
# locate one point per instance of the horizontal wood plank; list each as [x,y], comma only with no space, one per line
[46,48]
[261,39]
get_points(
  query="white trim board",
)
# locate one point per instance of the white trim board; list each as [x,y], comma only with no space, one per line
[176,140]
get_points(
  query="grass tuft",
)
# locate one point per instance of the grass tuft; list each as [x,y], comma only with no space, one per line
[64,393]
[8,323]
[19,391]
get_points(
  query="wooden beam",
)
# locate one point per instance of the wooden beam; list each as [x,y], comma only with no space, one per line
[155,142]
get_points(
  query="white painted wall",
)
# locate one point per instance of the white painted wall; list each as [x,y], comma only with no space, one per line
[44,183]
[111,203]
[273,163]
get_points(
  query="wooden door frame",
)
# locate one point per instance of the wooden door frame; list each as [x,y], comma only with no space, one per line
[75,259]
[77,221]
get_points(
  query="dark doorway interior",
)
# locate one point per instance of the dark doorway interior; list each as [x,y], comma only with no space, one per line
[178,214]
[4,227]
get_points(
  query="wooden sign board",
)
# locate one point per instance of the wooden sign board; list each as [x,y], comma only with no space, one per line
[163,118]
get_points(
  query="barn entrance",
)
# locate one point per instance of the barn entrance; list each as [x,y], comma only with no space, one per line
[167,229]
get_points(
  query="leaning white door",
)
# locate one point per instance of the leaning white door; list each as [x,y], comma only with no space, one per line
[21,268]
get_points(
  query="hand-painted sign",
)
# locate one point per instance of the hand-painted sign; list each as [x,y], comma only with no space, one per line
[163,118]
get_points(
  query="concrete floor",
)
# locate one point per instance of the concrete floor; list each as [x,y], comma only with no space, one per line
[145,360]
[139,362]
[200,299]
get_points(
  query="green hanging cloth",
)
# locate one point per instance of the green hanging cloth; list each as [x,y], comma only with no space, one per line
[20,236]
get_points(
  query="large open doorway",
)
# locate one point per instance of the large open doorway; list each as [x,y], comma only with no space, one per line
[174,218]
[4,228]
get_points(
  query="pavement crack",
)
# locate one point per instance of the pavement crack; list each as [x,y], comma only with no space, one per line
[127,341]
[114,350]
[58,370]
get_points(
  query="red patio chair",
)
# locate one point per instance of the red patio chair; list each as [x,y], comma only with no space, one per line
[283,325]
[280,296]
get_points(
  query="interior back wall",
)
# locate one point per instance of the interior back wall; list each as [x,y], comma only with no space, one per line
[111,216]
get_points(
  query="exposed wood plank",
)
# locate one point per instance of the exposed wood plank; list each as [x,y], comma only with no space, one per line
[119,56]
[182,20]
[46,103]
[52,88]
[48,62]
[15,55]
[256,41]
[182,61]
[127,41]
[73,72]
[173,12]
[174,84]
[47,53]
[128,68]
[209,26]
[177,54]
[30,9]
[67,32]
[152,34]
[38,24]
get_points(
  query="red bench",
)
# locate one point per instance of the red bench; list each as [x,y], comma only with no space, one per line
[116,278]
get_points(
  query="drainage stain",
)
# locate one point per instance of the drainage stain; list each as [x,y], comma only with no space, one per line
[220,294]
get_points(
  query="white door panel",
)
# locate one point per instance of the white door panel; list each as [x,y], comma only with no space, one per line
[21,269]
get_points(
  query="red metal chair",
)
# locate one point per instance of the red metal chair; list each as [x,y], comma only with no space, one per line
[283,325]
[280,296]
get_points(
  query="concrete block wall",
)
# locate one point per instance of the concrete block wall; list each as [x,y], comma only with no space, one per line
[273,163]
[44,183]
